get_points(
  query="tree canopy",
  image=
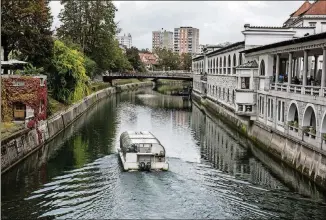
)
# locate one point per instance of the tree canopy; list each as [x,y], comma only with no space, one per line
[91,25]
[172,60]
[26,32]
[69,80]
[134,59]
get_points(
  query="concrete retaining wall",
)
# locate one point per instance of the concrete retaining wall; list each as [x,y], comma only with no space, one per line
[308,161]
[16,148]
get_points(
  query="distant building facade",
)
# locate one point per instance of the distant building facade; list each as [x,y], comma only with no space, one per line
[162,39]
[125,40]
[186,40]
[148,59]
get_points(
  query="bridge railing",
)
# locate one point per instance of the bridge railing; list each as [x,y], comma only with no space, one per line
[151,74]
[172,71]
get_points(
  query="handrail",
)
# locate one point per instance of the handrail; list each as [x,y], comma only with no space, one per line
[150,75]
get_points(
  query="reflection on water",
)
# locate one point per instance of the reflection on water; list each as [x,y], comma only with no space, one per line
[214,173]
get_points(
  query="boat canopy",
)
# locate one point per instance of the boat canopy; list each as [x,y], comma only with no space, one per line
[130,141]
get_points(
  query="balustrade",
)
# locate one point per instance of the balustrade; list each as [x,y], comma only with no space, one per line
[299,89]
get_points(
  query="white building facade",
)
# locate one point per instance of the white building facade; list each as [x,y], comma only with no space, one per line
[125,40]
[275,78]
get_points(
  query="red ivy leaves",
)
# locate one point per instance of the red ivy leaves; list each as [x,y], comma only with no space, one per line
[31,94]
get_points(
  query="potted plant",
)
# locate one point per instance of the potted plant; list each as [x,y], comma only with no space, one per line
[312,130]
[295,125]
[306,130]
[324,137]
[290,123]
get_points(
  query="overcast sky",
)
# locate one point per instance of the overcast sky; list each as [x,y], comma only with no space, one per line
[218,21]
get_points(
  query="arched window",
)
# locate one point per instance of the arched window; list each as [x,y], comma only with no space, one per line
[309,118]
[262,68]
[229,64]
[221,65]
[240,59]
[234,62]
[224,65]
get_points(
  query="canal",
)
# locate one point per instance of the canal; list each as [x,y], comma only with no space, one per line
[214,172]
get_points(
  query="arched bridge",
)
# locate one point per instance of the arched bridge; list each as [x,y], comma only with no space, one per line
[149,75]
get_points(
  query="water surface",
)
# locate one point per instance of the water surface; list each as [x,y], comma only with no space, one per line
[214,172]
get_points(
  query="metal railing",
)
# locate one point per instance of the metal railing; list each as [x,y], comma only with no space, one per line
[152,74]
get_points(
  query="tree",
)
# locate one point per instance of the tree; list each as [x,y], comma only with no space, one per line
[186,61]
[91,25]
[121,62]
[69,79]
[168,59]
[26,30]
[134,59]
[145,50]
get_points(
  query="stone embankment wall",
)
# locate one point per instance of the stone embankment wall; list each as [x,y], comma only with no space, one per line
[17,147]
[309,161]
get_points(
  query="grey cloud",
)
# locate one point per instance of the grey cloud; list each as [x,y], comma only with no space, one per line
[218,21]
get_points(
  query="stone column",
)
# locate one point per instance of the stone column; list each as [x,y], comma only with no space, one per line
[316,67]
[277,68]
[323,74]
[239,81]
[290,68]
[294,66]
[305,68]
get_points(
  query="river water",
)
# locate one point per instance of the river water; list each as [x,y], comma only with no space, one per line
[214,172]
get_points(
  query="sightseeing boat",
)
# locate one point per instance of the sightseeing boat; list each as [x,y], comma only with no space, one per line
[141,151]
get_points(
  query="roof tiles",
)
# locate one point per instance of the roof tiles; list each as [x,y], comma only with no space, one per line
[303,8]
[318,8]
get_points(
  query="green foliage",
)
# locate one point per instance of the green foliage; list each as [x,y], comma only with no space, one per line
[91,25]
[168,59]
[90,66]
[121,62]
[96,86]
[134,59]
[291,123]
[26,31]
[305,129]
[186,61]
[30,70]
[69,80]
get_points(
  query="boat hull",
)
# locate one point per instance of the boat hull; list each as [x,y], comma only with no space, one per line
[129,166]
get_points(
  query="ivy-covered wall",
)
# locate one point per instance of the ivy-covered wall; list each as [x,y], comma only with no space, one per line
[26,90]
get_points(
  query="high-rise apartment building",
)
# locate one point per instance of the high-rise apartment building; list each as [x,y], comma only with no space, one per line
[125,40]
[186,40]
[162,39]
